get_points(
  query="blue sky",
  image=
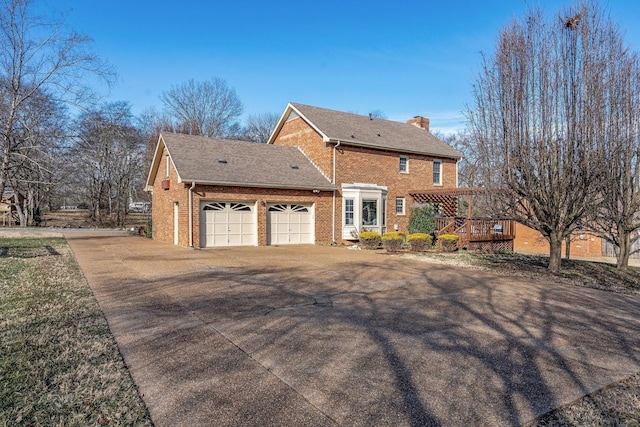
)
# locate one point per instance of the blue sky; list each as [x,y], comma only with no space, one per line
[405,58]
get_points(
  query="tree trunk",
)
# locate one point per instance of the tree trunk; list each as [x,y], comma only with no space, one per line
[624,251]
[567,249]
[21,209]
[555,253]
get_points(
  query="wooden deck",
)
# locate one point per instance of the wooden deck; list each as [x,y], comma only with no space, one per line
[479,234]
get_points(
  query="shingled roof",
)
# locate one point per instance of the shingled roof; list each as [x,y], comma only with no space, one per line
[238,163]
[359,130]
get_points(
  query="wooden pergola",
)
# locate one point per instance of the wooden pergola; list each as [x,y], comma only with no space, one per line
[448,198]
[481,234]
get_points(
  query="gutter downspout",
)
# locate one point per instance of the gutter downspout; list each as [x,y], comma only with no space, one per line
[193,184]
[333,181]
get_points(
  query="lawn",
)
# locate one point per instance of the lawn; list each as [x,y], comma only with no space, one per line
[59,363]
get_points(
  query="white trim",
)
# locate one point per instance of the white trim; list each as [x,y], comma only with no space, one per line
[389,148]
[404,204]
[285,118]
[261,185]
[406,163]
[360,192]
[176,225]
[440,173]
[313,163]
[193,184]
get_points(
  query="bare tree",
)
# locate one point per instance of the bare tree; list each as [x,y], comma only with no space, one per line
[378,114]
[208,108]
[617,217]
[260,126]
[540,118]
[38,55]
[40,129]
[108,157]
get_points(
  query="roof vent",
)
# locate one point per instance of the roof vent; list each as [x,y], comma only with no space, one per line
[379,134]
[294,166]
[353,136]
[222,160]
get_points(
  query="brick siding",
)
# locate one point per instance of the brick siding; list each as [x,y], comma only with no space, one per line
[365,165]
[529,240]
[322,203]
[163,202]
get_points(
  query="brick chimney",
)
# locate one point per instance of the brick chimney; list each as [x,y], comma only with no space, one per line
[419,121]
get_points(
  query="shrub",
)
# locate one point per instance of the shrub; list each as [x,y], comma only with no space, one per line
[148,230]
[448,242]
[370,239]
[393,240]
[422,220]
[419,242]
[448,237]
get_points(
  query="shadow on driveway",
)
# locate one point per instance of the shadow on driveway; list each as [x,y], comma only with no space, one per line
[311,335]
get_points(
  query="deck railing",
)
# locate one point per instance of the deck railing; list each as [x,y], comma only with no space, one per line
[480,233]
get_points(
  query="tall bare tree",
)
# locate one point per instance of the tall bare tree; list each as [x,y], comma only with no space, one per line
[540,118]
[208,108]
[40,129]
[108,157]
[617,217]
[38,55]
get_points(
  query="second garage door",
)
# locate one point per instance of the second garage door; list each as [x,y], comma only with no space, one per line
[289,224]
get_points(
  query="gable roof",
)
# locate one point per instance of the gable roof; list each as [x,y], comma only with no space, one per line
[359,130]
[237,163]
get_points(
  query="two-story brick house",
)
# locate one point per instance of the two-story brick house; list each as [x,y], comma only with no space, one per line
[323,176]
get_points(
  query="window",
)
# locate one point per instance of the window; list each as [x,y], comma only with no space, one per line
[348,211]
[384,211]
[364,207]
[404,164]
[399,205]
[369,212]
[437,172]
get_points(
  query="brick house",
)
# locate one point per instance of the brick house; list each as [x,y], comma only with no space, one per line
[323,176]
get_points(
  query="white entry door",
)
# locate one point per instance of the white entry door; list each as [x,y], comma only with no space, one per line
[289,224]
[227,224]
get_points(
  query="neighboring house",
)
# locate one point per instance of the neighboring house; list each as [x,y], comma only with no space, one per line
[323,176]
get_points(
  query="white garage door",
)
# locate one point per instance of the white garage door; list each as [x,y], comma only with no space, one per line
[227,224]
[289,224]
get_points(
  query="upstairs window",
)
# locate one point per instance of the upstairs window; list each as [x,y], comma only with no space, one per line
[437,172]
[404,164]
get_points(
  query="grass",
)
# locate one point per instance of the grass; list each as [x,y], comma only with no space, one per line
[617,404]
[59,363]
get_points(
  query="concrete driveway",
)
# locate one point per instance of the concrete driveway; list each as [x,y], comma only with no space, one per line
[320,336]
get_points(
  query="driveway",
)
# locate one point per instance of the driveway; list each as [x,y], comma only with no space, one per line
[322,336]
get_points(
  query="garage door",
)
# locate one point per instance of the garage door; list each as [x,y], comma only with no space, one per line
[289,224]
[227,224]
